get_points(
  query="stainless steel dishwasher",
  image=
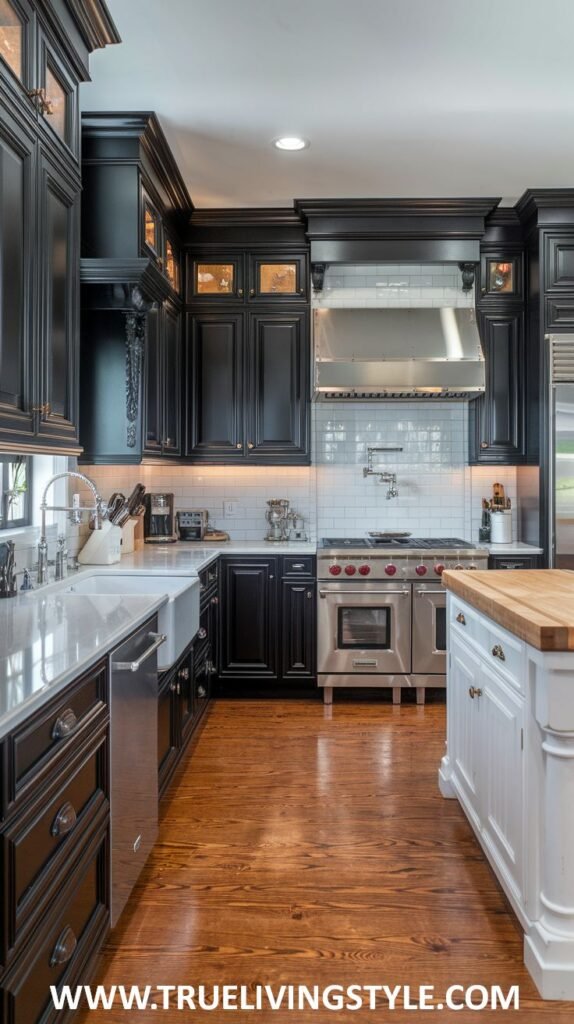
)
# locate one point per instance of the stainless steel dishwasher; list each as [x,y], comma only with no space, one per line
[133,759]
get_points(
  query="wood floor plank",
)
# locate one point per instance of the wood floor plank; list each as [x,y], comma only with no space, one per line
[310,846]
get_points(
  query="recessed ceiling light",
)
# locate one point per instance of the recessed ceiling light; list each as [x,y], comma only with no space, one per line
[290,142]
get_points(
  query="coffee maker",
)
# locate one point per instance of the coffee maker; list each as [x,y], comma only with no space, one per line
[159,519]
[277,517]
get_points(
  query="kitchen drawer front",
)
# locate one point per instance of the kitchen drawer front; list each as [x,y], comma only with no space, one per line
[39,846]
[506,655]
[208,579]
[503,652]
[72,933]
[56,731]
[298,565]
[559,312]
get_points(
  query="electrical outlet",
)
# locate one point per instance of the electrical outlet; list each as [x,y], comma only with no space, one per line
[232,509]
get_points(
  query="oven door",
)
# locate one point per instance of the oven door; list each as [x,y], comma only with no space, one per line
[364,629]
[429,629]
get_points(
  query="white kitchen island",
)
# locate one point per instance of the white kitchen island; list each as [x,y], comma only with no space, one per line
[510,748]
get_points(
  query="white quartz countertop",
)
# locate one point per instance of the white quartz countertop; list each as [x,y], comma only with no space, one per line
[515,547]
[187,558]
[47,639]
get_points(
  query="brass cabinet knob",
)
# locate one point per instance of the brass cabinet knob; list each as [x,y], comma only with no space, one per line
[215,600]
[460,618]
[309,595]
[202,633]
[250,444]
[240,292]
[474,691]
[65,947]
[497,652]
[252,291]
[184,674]
[64,725]
[484,444]
[301,291]
[64,821]
[239,445]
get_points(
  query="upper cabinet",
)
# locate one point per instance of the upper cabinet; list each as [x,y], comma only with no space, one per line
[250,277]
[44,51]
[501,277]
[497,418]
[134,208]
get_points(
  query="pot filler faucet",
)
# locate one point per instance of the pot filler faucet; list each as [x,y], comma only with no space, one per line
[384,477]
[74,511]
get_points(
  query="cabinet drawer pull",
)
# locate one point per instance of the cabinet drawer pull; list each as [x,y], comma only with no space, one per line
[64,725]
[202,633]
[297,565]
[201,691]
[65,948]
[497,652]
[474,691]
[460,618]
[173,686]
[309,595]
[64,821]
[184,674]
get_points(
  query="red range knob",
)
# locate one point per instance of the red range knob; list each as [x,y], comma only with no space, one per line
[335,570]
[439,568]
[421,570]
[350,570]
[390,569]
[364,570]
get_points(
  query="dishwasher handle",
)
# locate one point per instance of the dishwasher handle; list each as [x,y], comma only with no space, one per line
[133,666]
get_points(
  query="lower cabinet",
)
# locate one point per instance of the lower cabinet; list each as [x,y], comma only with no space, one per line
[54,849]
[486,721]
[268,620]
[514,562]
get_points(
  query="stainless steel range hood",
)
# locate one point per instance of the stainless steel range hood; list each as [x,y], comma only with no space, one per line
[363,354]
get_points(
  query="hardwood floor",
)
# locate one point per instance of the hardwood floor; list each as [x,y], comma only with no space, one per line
[302,847]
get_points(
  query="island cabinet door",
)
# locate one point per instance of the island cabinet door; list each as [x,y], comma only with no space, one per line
[465,738]
[249,633]
[503,780]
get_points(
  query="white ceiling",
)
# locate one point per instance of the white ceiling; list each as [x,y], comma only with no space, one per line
[397,97]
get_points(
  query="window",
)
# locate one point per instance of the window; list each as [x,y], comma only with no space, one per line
[15,479]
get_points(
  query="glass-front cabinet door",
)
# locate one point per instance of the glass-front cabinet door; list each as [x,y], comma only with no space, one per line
[57,102]
[16,39]
[278,279]
[151,229]
[215,279]
[171,266]
[501,276]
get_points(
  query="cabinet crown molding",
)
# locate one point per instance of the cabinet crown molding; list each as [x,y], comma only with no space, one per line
[95,23]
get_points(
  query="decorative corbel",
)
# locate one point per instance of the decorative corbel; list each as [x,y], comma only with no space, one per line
[135,338]
[318,276]
[468,271]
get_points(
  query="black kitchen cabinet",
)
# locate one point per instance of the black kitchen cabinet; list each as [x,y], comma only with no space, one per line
[273,277]
[44,52]
[248,387]
[497,418]
[248,623]
[268,621]
[162,377]
[134,203]
[215,387]
[298,628]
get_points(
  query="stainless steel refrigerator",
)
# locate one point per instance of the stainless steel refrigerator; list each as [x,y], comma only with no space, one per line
[561,455]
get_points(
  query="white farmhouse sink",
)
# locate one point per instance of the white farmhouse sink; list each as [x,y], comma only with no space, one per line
[178,619]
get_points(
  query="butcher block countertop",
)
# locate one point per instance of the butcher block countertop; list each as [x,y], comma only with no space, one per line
[537,605]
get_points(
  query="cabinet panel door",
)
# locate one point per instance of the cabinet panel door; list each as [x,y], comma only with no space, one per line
[167,733]
[559,262]
[249,618]
[153,398]
[59,119]
[465,739]
[17,160]
[298,626]
[498,417]
[215,387]
[17,70]
[503,787]
[216,279]
[171,380]
[59,290]
[278,401]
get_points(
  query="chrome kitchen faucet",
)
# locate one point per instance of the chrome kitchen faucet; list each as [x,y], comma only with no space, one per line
[74,511]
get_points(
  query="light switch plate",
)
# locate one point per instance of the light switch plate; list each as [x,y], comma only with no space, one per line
[232,509]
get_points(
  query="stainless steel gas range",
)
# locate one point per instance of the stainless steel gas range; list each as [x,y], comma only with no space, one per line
[382,610]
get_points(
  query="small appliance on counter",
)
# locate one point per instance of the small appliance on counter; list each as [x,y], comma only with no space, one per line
[159,519]
[297,527]
[192,523]
[277,516]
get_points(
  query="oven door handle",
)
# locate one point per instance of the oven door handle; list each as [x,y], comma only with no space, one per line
[359,593]
[423,593]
